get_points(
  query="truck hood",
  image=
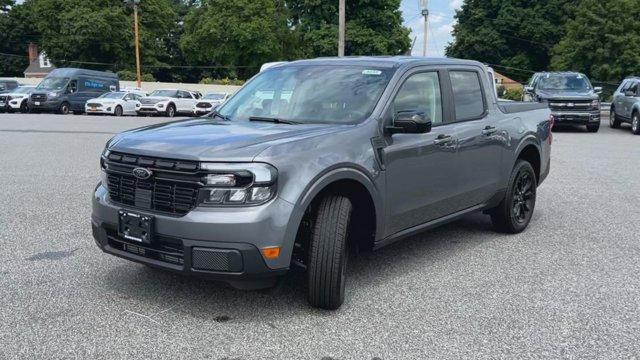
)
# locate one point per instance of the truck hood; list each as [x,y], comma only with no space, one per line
[209,140]
[566,95]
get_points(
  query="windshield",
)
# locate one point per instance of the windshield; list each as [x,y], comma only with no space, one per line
[214,97]
[575,82]
[164,93]
[23,90]
[53,83]
[112,95]
[310,94]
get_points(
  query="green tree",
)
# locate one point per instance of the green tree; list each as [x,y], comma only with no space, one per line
[374,27]
[603,40]
[18,29]
[101,31]
[240,35]
[511,33]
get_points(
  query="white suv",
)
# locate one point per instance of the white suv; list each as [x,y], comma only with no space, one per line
[168,102]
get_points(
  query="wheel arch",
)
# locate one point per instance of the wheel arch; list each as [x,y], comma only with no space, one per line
[530,151]
[353,183]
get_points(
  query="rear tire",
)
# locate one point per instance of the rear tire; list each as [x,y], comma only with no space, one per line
[635,124]
[328,254]
[514,213]
[614,122]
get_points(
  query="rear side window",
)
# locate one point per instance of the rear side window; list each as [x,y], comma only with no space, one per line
[467,95]
[421,93]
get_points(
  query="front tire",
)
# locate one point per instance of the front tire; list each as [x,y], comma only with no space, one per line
[635,124]
[328,254]
[117,111]
[514,213]
[614,122]
[171,111]
[24,107]
[593,128]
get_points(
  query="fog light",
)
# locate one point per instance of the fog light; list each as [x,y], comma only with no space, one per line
[271,253]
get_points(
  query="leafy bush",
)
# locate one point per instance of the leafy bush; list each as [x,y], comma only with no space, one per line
[224,81]
[513,94]
[128,75]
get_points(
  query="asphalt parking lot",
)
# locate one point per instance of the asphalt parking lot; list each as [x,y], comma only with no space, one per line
[568,287]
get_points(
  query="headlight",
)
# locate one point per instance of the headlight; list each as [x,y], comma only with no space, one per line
[160,105]
[595,104]
[103,167]
[52,94]
[238,184]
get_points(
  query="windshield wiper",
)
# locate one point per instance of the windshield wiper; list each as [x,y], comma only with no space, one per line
[216,114]
[273,120]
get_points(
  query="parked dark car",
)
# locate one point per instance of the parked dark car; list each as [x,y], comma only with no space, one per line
[571,97]
[314,159]
[625,107]
[67,90]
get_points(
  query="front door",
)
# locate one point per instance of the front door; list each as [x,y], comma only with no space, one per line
[420,168]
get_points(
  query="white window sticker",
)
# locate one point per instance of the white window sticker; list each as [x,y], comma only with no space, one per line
[371,72]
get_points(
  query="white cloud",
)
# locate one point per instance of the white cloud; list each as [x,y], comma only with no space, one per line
[456,4]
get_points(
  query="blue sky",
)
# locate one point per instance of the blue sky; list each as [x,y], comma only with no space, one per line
[440,24]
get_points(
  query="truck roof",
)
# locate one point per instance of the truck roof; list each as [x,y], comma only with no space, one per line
[69,72]
[385,61]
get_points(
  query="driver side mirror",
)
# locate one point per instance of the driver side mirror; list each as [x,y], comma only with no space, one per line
[598,89]
[410,122]
[528,89]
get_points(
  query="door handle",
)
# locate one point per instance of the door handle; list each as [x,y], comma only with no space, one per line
[442,140]
[489,130]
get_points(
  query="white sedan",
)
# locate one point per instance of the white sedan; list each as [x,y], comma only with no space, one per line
[116,103]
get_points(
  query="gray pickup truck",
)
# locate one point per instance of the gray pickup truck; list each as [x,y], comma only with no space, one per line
[570,96]
[317,159]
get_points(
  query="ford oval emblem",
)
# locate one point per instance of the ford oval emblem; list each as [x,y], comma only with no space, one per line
[141,173]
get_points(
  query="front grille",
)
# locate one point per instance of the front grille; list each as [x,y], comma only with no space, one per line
[568,105]
[173,188]
[148,101]
[38,97]
[203,105]
[94,105]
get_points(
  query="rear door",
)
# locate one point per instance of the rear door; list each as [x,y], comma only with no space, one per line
[480,136]
[421,169]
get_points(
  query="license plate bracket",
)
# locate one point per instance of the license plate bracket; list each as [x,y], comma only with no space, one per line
[135,227]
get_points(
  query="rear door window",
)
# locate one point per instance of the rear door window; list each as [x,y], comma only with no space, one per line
[469,102]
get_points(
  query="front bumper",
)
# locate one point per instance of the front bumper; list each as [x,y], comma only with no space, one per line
[202,111]
[218,243]
[49,105]
[576,117]
[150,110]
[109,110]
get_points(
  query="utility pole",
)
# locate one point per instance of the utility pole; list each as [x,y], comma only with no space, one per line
[135,4]
[425,12]
[341,25]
